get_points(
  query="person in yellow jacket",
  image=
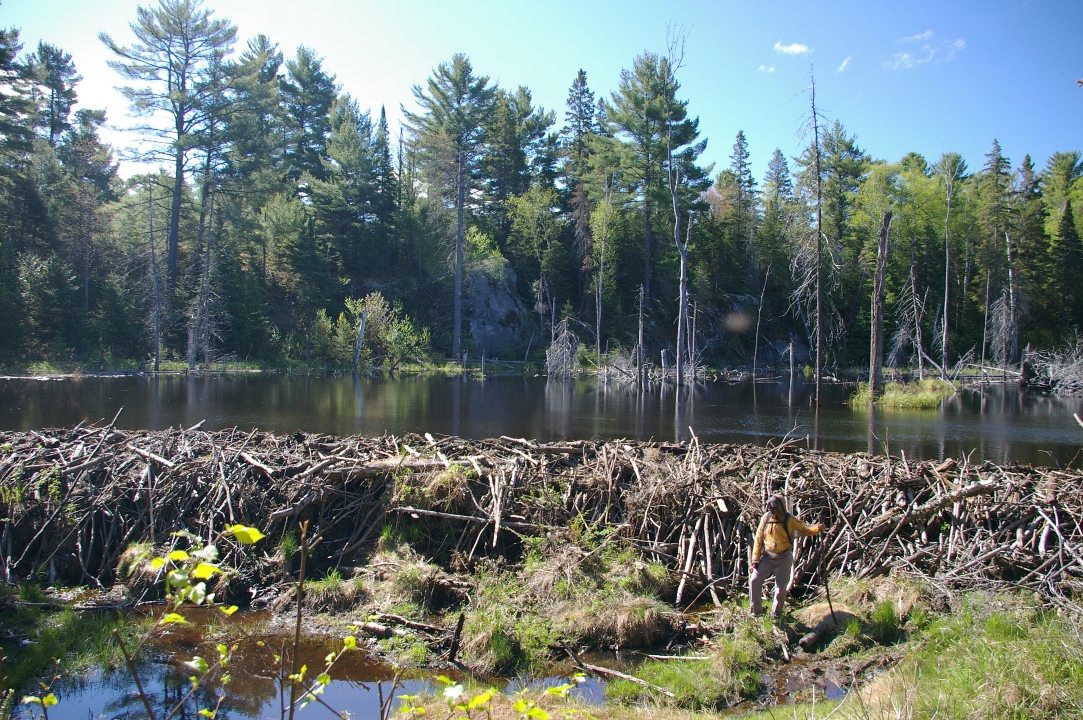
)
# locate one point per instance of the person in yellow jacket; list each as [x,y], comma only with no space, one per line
[772,554]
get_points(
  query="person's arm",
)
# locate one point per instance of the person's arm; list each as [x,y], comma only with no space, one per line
[757,547]
[796,526]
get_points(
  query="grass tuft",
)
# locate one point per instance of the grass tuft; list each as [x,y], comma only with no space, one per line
[924,395]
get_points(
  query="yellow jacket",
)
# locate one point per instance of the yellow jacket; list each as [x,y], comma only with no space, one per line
[776,539]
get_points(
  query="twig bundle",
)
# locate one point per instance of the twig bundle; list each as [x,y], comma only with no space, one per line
[73,500]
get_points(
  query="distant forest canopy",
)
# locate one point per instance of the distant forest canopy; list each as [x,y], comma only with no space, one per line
[283,211]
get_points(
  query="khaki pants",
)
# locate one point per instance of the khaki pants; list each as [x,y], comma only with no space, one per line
[780,568]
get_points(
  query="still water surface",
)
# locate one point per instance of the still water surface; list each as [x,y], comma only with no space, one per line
[359,684]
[998,423]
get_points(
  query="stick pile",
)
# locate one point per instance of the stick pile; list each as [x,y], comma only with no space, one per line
[73,500]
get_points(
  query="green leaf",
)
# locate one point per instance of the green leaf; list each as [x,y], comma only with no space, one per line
[177,555]
[31,700]
[350,643]
[244,534]
[207,713]
[537,713]
[204,571]
[157,563]
[172,618]
[229,610]
[480,700]
[521,705]
[198,664]
[197,593]
[207,553]
[324,679]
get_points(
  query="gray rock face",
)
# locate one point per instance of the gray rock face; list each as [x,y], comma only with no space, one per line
[494,314]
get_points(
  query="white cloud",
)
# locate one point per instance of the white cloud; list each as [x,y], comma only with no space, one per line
[792,48]
[927,35]
[901,61]
[766,68]
[845,63]
[931,50]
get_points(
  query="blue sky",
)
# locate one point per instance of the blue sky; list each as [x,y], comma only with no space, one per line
[922,76]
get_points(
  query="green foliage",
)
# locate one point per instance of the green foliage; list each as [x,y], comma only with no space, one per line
[697,684]
[315,213]
[926,394]
[288,546]
[1012,662]
[885,622]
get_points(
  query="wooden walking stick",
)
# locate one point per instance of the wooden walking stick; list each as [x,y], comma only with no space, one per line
[827,589]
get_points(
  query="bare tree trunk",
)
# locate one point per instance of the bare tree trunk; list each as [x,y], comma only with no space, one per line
[157,283]
[947,277]
[88,251]
[205,331]
[360,335]
[456,333]
[819,245]
[639,353]
[1013,309]
[174,213]
[876,346]
[692,360]
[759,316]
[682,310]
[919,317]
[985,326]
[967,267]
[598,316]
[646,233]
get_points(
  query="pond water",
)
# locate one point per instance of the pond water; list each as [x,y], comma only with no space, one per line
[994,422]
[359,683]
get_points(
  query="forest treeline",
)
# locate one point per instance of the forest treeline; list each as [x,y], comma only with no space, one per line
[282,212]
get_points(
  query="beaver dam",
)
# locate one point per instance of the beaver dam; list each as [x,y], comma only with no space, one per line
[614,545]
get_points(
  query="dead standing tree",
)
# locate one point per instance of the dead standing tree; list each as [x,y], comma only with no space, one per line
[953,169]
[561,358]
[876,345]
[674,61]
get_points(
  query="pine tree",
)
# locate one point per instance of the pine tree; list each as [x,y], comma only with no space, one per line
[448,135]
[344,203]
[54,71]
[777,197]
[1062,179]
[516,135]
[175,44]
[308,93]
[996,186]
[1068,257]
[385,206]
[580,124]
[644,112]
[745,195]
[1033,256]
[16,107]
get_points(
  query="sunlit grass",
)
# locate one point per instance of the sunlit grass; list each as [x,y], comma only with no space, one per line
[923,395]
